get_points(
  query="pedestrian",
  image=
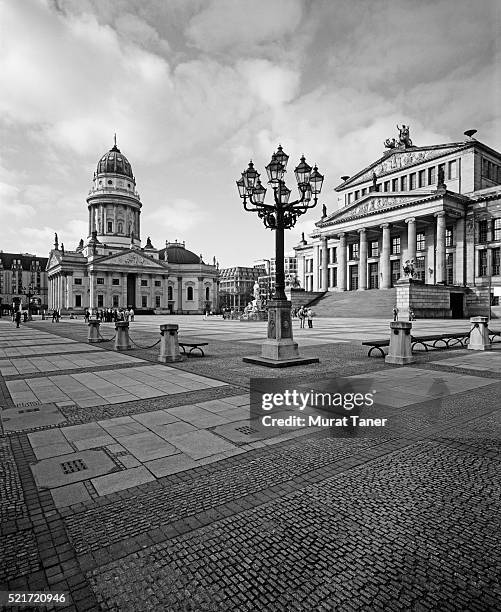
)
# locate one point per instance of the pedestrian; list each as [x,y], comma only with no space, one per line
[395,313]
[18,318]
[310,314]
[301,316]
[412,316]
[131,313]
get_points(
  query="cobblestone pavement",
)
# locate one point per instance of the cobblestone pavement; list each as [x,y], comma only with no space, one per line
[407,521]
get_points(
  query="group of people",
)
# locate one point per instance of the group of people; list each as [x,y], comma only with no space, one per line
[110,315]
[304,314]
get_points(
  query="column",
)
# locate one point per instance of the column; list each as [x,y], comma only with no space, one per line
[179,293]
[385,258]
[92,291]
[362,266]
[440,273]
[201,294]
[411,239]
[123,290]
[316,271]
[69,288]
[325,264]
[341,263]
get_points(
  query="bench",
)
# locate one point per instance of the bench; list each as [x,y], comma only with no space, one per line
[376,345]
[194,346]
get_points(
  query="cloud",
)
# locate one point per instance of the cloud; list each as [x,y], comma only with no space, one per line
[225,24]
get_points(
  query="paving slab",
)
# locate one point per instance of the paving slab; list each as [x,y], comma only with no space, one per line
[119,481]
[197,416]
[68,495]
[17,419]
[171,431]
[154,418]
[49,473]
[170,465]
[201,443]
[146,446]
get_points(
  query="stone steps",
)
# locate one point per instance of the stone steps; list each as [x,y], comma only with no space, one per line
[376,303]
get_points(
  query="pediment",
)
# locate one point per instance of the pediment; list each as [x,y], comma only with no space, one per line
[54,260]
[369,204]
[400,158]
[133,258]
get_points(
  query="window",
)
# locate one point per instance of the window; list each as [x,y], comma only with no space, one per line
[420,242]
[116,301]
[158,283]
[420,268]
[403,183]
[207,293]
[395,271]
[110,226]
[189,293]
[100,300]
[77,281]
[169,293]
[157,301]
[144,301]
[496,261]
[482,263]
[100,280]
[78,301]
[394,185]
[350,198]
[110,182]
[421,178]
[333,277]
[374,248]
[448,237]
[441,167]
[395,245]
[373,276]
[482,230]
[144,283]
[386,186]
[452,170]
[449,268]
[412,181]
[364,191]
[431,176]
[353,248]
[357,195]
[333,255]
[115,281]
[120,228]
[496,229]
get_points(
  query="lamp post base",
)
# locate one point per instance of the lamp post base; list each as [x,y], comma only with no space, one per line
[279,350]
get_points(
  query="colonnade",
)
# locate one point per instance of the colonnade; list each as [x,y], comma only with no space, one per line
[384,255]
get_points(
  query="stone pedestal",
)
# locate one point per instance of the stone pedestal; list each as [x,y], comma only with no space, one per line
[279,350]
[400,351]
[122,341]
[479,334]
[169,343]
[93,335]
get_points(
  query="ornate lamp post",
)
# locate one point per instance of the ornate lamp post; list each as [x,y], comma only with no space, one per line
[279,349]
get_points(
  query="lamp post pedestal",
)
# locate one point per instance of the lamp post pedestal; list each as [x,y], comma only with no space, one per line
[279,350]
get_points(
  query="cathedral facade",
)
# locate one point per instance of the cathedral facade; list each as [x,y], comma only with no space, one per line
[111,268]
[430,213]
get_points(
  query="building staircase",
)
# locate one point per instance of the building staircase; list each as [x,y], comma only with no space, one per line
[375,303]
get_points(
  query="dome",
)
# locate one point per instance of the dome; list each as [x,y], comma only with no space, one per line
[177,254]
[114,162]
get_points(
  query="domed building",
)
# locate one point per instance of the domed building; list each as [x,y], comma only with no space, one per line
[110,269]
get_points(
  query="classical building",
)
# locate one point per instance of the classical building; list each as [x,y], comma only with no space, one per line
[112,270]
[433,210]
[236,285]
[22,278]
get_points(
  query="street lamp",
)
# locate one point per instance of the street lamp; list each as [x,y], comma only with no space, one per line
[280,349]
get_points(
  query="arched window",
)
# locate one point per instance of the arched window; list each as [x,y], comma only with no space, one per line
[169,293]
[189,293]
[207,293]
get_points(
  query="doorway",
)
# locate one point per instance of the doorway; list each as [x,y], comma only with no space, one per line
[131,290]
[353,278]
[456,305]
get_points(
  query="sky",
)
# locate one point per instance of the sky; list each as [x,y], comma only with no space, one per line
[194,89]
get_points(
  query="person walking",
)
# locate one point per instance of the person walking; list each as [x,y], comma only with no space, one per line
[301,316]
[309,315]
[18,318]
[395,313]
[131,314]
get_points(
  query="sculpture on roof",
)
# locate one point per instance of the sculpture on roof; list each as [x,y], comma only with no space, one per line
[404,139]
[391,144]
[324,210]
[56,242]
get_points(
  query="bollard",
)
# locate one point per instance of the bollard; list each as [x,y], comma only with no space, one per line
[400,351]
[169,344]
[479,334]
[122,341]
[93,335]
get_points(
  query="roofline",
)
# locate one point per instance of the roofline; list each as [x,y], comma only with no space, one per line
[461,145]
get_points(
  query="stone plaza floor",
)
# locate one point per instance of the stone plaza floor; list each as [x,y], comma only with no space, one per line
[134,485]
